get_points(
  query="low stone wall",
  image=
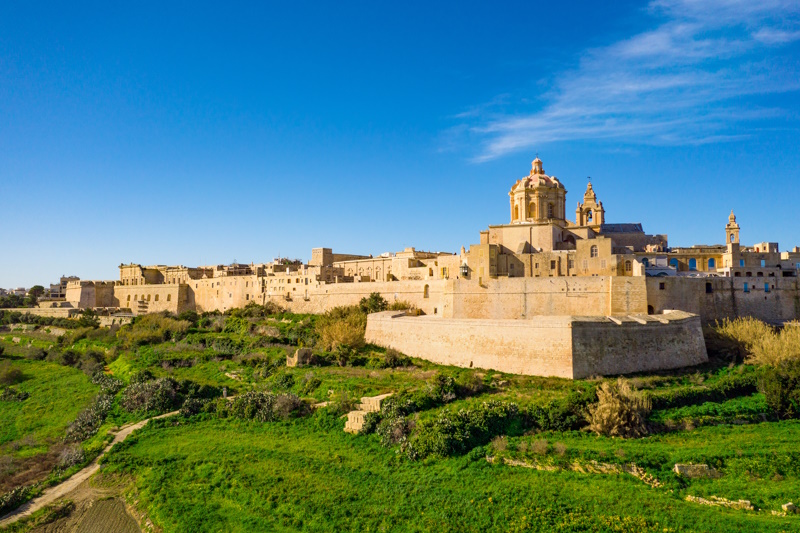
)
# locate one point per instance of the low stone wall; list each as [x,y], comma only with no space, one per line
[562,346]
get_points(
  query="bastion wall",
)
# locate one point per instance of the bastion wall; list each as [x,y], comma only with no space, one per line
[563,346]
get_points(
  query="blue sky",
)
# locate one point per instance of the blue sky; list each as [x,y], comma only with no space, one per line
[200,133]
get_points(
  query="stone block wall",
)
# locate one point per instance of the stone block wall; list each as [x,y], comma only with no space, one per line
[561,346]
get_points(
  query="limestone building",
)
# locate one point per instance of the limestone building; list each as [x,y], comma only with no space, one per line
[539,263]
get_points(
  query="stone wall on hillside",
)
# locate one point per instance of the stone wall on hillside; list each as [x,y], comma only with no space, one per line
[562,346]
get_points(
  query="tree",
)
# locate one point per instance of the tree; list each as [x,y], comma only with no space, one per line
[35,292]
[374,304]
[89,319]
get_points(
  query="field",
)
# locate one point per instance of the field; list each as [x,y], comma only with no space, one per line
[455,450]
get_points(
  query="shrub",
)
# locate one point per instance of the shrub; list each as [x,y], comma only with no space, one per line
[726,388]
[563,414]
[393,359]
[193,406]
[34,353]
[263,406]
[342,402]
[10,375]
[14,498]
[234,324]
[71,456]
[736,338]
[89,420]
[781,387]
[310,383]
[774,348]
[620,411]
[157,396]
[341,326]
[452,433]
[89,319]
[373,304]
[107,384]
[153,328]
[10,394]
[400,305]
[142,376]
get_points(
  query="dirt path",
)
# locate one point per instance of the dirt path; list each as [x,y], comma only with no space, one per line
[63,489]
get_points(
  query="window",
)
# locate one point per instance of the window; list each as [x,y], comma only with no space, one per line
[628,266]
[760,274]
[156,297]
[731,237]
[709,288]
[692,264]
[662,286]
[426,292]
[549,210]
[148,297]
[593,251]
[585,264]
[602,263]
[766,287]
[749,274]
[763,263]
[746,287]
[673,263]
[645,261]
[536,265]
[571,264]
[246,296]
[712,263]
[169,297]
[516,212]
[532,210]
[129,297]
[552,265]
[741,262]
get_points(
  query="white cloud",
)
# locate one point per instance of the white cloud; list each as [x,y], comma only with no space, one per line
[678,83]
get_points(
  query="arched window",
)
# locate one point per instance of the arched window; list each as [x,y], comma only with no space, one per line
[426,292]
[550,211]
[516,212]
[712,263]
[692,264]
[430,273]
[169,297]
[156,297]
[593,251]
[673,262]
[628,266]
[532,210]
[588,216]
[645,261]
[731,237]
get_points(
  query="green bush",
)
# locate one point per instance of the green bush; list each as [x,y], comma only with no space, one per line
[157,396]
[373,304]
[781,387]
[14,498]
[149,329]
[263,406]
[234,324]
[727,387]
[10,394]
[457,432]
[90,419]
[9,374]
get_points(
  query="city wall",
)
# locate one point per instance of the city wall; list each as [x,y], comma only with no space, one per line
[716,298]
[562,346]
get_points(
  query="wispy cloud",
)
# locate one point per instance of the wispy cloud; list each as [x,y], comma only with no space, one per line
[681,82]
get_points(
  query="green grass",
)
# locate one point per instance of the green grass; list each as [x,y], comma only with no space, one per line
[229,475]
[57,395]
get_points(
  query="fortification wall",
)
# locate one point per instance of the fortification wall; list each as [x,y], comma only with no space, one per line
[718,298]
[157,298]
[322,297]
[638,343]
[562,346]
[541,347]
[511,298]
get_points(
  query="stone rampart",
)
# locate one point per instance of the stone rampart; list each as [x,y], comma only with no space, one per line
[563,346]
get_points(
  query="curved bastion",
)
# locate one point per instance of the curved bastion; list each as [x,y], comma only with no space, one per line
[572,347]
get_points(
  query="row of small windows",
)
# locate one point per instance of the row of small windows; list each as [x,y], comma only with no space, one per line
[147,297]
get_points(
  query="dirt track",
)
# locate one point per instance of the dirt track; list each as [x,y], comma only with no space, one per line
[63,489]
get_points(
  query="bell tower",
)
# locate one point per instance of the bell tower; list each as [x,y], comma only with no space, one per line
[732,231]
[590,212]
